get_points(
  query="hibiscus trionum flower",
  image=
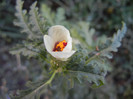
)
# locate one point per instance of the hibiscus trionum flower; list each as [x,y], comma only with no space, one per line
[58,42]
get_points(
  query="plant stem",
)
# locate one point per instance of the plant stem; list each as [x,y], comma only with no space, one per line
[48,82]
[91,59]
[51,78]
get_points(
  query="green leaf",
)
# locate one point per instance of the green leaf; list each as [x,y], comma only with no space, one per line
[31,92]
[47,14]
[86,32]
[60,16]
[85,64]
[97,86]
[85,76]
[34,89]
[116,42]
[22,19]
[24,51]
[38,23]
[117,38]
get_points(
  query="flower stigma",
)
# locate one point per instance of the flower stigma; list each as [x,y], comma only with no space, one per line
[59,46]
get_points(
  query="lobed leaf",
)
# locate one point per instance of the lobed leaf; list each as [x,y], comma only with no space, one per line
[115,43]
[36,21]
[85,76]
[22,19]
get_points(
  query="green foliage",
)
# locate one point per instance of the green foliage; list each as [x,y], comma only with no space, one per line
[24,50]
[35,89]
[116,42]
[86,65]
[20,14]
[86,32]
[94,63]
[34,25]
[47,13]
[53,18]
[36,21]
[83,32]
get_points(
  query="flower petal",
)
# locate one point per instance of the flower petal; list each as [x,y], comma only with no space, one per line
[62,55]
[59,33]
[68,48]
[49,44]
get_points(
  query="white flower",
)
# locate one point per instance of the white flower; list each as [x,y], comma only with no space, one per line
[58,42]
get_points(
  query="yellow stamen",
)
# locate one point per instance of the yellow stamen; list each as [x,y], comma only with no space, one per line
[59,46]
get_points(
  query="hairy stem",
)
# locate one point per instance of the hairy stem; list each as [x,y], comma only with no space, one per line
[47,83]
